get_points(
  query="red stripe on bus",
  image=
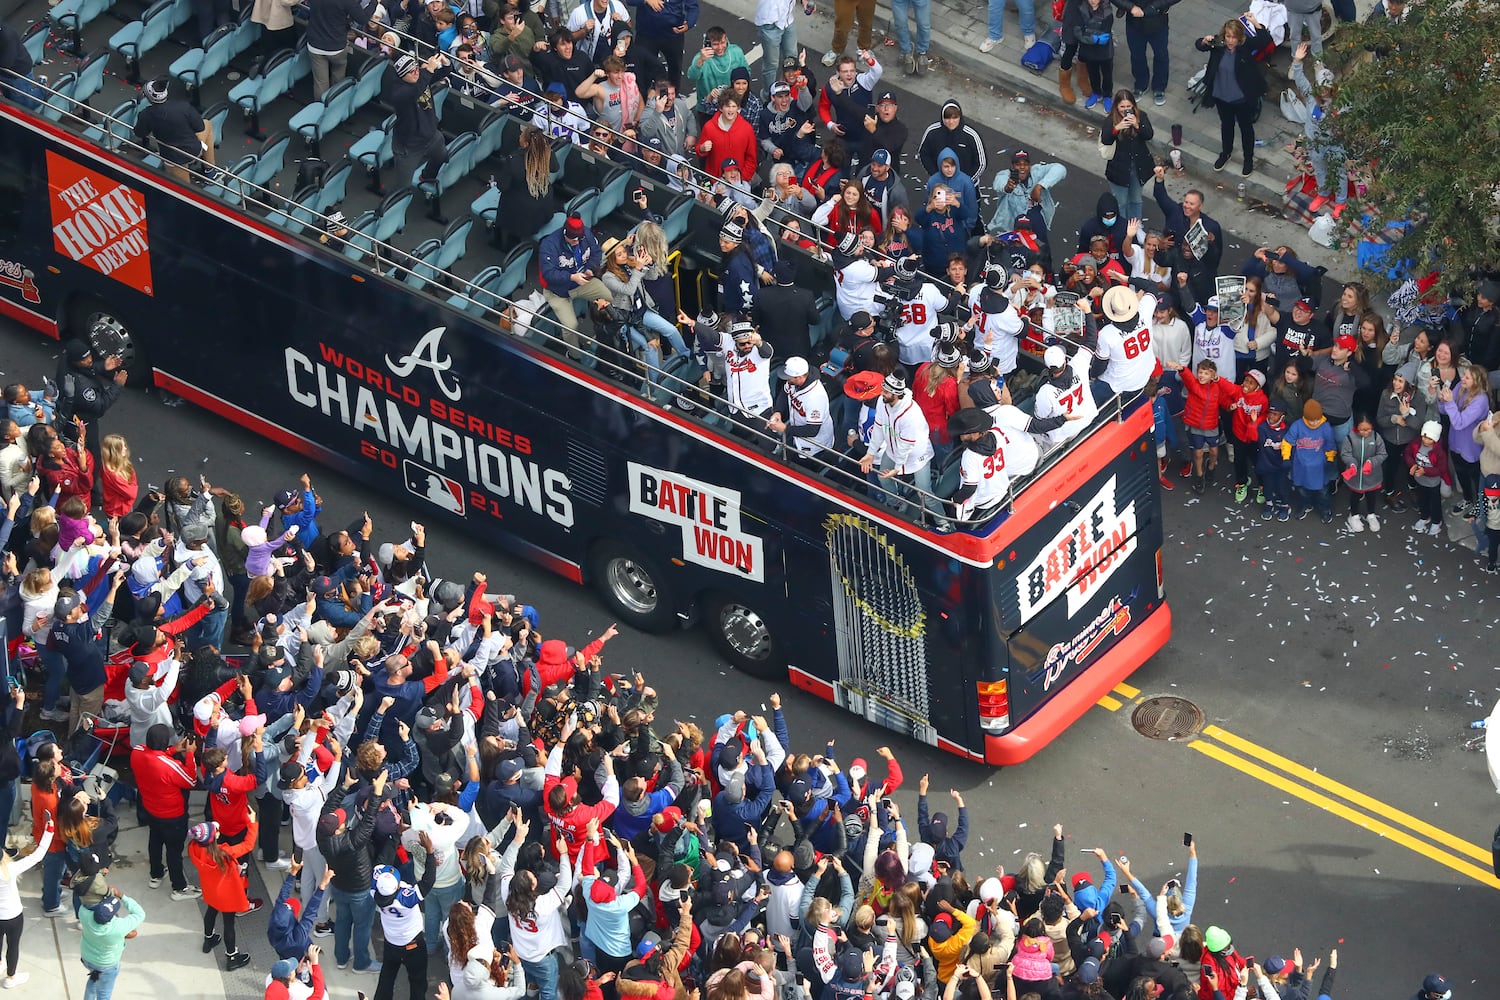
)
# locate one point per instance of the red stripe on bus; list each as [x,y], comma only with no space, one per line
[31,318]
[1082,692]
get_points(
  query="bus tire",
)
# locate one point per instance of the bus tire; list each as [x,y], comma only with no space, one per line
[633,586]
[745,637]
[105,330]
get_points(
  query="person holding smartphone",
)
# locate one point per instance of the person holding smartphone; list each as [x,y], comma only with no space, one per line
[1131,164]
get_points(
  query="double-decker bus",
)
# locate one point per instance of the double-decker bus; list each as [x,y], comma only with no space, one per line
[361,352]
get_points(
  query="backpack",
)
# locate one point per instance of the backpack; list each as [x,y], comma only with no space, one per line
[1292,108]
[1041,53]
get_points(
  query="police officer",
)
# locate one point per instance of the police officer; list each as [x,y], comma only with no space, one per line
[85,392]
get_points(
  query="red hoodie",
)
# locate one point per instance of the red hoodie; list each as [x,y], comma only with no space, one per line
[737,142]
[1247,411]
[161,780]
[553,665]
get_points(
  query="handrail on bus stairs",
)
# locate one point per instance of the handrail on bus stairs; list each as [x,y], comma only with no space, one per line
[687,397]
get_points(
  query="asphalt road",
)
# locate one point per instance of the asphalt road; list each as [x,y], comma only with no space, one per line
[1360,658]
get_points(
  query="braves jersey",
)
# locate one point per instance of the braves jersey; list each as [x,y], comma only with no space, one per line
[401,918]
[809,408]
[1216,345]
[1128,352]
[747,377]
[900,434]
[986,473]
[996,334]
[1021,451]
[918,319]
[857,282]
[1069,395]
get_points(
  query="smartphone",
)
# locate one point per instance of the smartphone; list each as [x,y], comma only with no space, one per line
[870,110]
[705,41]
[1187,840]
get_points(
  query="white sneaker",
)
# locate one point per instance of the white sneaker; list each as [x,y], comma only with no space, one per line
[1420,527]
[1029,40]
[154,883]
[1355,524]
[989,43]
[59,911]
[1373,521]
[281,864]
[11,982]
[830,57]
[1435,529]
[187,892]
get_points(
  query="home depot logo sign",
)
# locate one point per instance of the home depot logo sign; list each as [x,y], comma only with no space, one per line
[99,222]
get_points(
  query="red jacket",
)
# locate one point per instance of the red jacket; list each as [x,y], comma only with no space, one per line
[936,407]
[737,142]
[572,825]
[1247,411]
[1205,401]
[553,665]
[70,476]
[229,799]
[161,780]
[119,492]
[223,889]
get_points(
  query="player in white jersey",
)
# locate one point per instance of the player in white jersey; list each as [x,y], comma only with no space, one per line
[997,327]
[808,422]
[900,443]
[1065,392]
[747,370]
[1019,431]
[1125,341]
[983,482]
[858,279]
[919,308]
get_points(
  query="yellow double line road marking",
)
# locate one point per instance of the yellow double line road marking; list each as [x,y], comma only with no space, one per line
[1303,782]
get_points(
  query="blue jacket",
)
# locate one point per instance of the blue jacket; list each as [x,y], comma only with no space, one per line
[651,23]
[290,937]
[962,185]
[558,262]
[1310,447]
[275,704]
[1268,460]
[937,236]
[1086,897]
[737,286]
[336,613]
[733,819]
[949,848]
[305,519]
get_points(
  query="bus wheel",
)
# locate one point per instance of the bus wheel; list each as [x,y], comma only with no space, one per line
[633,587]
[106,333]
[745,638]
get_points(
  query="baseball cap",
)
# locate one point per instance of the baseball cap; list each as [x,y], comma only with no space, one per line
[510,63]
[556,88]
[730,162]
[139,671]
[1436,984]
[882,157]
[286,497]
[860,320]
[780,88]
[887,97]
[1346,342]
[1303,304]
[1212,303]
[1275,964]
[794,368]
[790,62]
[573,228]
[1258,376]
[109,907]
[1019,155]
[284,969]
[386,881]
[1054,357]
[785,272]
[66,605]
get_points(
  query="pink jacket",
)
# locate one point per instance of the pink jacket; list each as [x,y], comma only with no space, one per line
[1033,959]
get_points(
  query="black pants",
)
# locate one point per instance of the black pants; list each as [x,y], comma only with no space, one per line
[1241,113]
[1467,477]
[1359,500]
[210,916]
[1430,503]
[11,929]
[432,156]
[1101,77]
[271,810]
[169,836]
[662,53]
[414,957]
[1394,468]
[1244,462]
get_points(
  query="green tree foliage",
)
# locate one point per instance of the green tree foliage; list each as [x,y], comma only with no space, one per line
[1419,102]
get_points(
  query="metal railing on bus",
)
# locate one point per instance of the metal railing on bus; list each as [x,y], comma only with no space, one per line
[687,397]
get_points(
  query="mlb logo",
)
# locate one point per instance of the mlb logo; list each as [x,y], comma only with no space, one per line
[434,487]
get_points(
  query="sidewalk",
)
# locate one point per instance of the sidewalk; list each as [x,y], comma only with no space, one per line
[958,27]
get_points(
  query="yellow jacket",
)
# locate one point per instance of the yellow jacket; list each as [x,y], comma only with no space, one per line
[946,953]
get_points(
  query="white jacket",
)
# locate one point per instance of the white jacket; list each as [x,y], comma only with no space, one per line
[901,435]
[149,707]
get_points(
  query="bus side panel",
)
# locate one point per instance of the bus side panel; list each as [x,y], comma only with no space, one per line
[1082,580]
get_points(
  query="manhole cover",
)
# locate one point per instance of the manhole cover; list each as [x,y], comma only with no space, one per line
[1167,718]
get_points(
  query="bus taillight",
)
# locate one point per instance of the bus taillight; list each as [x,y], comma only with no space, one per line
[994,705]
[1161,582]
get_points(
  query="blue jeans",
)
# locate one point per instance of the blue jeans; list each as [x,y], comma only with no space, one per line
[659,329]
[923,11]
[1322,159]
[352,911]
[1027,10]
[1129,198]
[209,631]
[1163,429]
[104,987]
[1277,488]
[542,975]
[435,909]
[1313,498]
[1154,74]
[53,867]
[776,45]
